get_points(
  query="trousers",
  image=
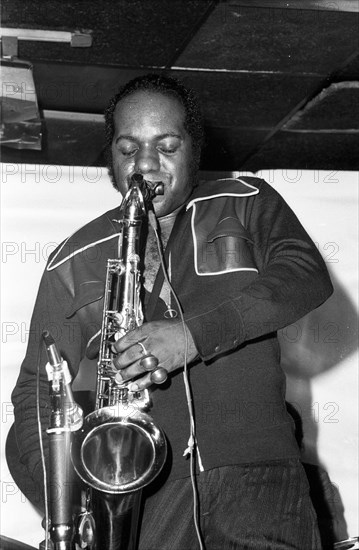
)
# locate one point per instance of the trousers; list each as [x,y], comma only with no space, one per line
[263,506]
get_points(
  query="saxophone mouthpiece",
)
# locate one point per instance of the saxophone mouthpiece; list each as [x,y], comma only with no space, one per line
[137,178]
[154,184]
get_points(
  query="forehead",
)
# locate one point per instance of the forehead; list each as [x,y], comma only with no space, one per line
[149,108]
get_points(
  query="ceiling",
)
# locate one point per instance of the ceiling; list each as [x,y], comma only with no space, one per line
[279,80]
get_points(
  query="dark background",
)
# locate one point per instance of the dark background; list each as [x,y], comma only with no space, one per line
[279,80]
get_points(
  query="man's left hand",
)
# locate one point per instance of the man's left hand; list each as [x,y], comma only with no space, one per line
[163,339]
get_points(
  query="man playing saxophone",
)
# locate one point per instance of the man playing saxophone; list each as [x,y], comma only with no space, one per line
[242,267]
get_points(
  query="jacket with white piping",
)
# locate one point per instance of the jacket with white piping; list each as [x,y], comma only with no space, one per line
[243,267]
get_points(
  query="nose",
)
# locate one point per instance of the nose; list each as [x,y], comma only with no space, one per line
[147,160]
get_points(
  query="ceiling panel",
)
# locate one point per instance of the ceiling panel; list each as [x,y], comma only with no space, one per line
[278,79]
[335,108]
[125,32]
[351,69]
[310,150]
[229,99]
[248,100]
[80,88]
[342,5]
[273,40]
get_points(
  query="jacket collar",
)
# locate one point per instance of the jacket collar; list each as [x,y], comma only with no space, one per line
[226,187]
[105,228]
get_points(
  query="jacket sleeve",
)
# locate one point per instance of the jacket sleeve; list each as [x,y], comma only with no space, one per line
[52,302]
[292,281]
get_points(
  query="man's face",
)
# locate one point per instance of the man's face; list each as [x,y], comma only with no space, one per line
[150,138]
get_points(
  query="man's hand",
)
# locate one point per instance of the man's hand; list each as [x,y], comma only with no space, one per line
[163,339]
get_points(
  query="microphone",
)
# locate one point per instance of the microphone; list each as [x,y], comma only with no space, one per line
[59,433]
[60,370]
[53,355]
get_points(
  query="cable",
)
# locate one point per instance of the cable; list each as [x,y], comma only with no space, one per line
[192,439]
[41,443]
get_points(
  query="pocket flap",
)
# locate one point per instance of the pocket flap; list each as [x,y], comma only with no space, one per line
[87,293]
[229,227]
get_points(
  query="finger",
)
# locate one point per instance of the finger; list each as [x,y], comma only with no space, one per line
[128,357]
[141,383]
[130,339]
[128,373]
[134,371]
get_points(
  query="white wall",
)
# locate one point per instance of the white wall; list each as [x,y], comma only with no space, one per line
[41,205]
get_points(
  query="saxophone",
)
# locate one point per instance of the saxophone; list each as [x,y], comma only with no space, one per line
[119,450]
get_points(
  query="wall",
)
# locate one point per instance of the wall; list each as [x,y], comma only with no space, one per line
[43,204]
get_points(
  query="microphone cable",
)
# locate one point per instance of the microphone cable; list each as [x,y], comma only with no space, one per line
[192,443]
[41,443]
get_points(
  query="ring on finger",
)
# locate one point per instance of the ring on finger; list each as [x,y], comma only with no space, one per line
[149,362]
[159,375]
[144,351]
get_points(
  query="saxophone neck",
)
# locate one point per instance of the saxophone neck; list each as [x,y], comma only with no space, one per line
[133,207]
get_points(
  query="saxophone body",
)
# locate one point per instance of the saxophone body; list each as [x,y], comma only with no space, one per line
[119,449]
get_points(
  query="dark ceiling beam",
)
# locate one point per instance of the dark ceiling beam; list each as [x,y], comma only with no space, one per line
[294,112]
[318,5]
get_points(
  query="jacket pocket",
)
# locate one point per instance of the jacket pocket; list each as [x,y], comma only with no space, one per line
[227,248]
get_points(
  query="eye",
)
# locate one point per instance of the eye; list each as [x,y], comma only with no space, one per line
[168,146]
[128,150]
[128,153]
[167,150]
[127,147]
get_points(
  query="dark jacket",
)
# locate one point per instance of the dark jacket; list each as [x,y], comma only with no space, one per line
[243,267]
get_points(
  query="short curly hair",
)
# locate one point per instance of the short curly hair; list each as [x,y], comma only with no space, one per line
[163,85]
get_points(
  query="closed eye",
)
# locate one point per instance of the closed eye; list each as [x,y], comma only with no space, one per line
[128,153]
[167,150]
